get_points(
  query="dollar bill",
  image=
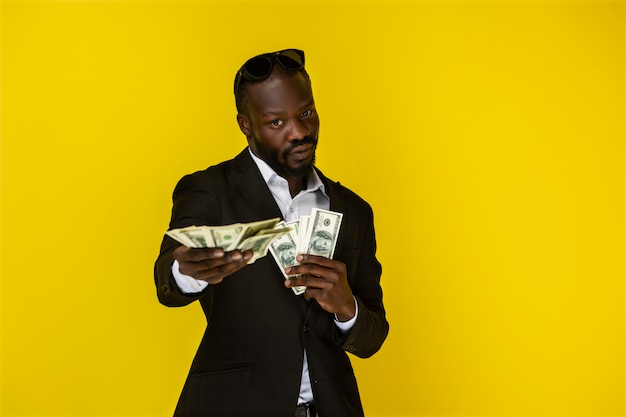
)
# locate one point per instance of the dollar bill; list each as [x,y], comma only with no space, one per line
[315,234]
[302,233]
[284,250]
[260,243]
[295,227]
[255,236]
[252,229]
[198,237]
[226,237]
[176,235]
[322,233]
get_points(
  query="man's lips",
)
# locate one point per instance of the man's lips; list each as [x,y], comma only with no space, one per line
[301,151]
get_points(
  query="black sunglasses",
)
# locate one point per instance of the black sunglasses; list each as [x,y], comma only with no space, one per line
[260,67]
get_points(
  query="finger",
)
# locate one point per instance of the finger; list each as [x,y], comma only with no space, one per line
[305,280]
[305,258]
[226,262]
[210,269]
[312,269]
[317,294]
[296,281]
[226,269]
[235,255]
[322,263]
[184,253]
[218,270]
[312,292]
[206,253]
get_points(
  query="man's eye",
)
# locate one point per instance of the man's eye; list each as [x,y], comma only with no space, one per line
[276,123]
[307,113]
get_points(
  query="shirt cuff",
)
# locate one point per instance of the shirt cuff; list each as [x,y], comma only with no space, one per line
[345,326]
[186,283]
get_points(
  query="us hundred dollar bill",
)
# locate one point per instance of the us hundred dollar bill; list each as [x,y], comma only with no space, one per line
[255,236]
[284,250]
[260,243]
[226,237]
[322,233]
[192,236]
[252,229]
[302,233]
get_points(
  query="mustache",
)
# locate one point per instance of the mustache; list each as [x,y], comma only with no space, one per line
[306,140]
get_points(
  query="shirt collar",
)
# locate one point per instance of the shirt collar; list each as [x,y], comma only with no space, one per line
[314,182]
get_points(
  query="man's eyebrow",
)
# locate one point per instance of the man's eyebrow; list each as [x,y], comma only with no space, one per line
[280,112]
[309,103]
[273,113]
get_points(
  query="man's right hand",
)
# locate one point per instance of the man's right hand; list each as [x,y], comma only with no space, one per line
[210,264]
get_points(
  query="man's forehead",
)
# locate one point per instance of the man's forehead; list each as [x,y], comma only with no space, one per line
[294,84]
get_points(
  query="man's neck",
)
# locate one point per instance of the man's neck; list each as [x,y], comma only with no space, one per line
[296,184]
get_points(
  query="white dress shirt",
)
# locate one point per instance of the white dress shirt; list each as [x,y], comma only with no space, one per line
[291,208]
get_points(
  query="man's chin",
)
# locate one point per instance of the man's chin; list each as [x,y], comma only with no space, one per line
[295,171]
[298,168]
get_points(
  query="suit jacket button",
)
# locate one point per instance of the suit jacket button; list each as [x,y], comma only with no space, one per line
[165,289]
[351,348]
[306,327]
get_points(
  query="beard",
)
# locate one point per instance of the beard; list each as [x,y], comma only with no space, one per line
[282,169]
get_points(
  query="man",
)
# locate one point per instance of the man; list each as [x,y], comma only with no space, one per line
[267,352]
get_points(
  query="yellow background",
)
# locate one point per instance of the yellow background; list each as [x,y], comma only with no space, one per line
[488,136]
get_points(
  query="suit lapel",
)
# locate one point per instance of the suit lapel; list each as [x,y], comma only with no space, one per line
[247,179]
[338,204]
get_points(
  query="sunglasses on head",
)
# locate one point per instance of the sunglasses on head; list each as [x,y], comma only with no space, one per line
[260,67]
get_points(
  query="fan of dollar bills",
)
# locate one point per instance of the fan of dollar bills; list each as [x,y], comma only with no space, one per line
[315,234]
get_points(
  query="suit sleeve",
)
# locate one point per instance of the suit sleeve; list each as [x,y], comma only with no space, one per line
[371,327]
[194,203]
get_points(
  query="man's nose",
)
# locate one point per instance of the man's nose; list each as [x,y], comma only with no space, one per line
[299,130]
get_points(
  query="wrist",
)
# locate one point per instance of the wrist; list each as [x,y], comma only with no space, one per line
[348,313]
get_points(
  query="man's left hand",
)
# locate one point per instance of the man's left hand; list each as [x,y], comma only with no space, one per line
[326,282]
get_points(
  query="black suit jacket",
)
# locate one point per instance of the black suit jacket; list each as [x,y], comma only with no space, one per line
[249,362]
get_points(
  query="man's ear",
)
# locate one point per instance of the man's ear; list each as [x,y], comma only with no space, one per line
[244,124]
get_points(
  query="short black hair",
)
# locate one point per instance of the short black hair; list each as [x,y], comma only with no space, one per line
[241,94]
